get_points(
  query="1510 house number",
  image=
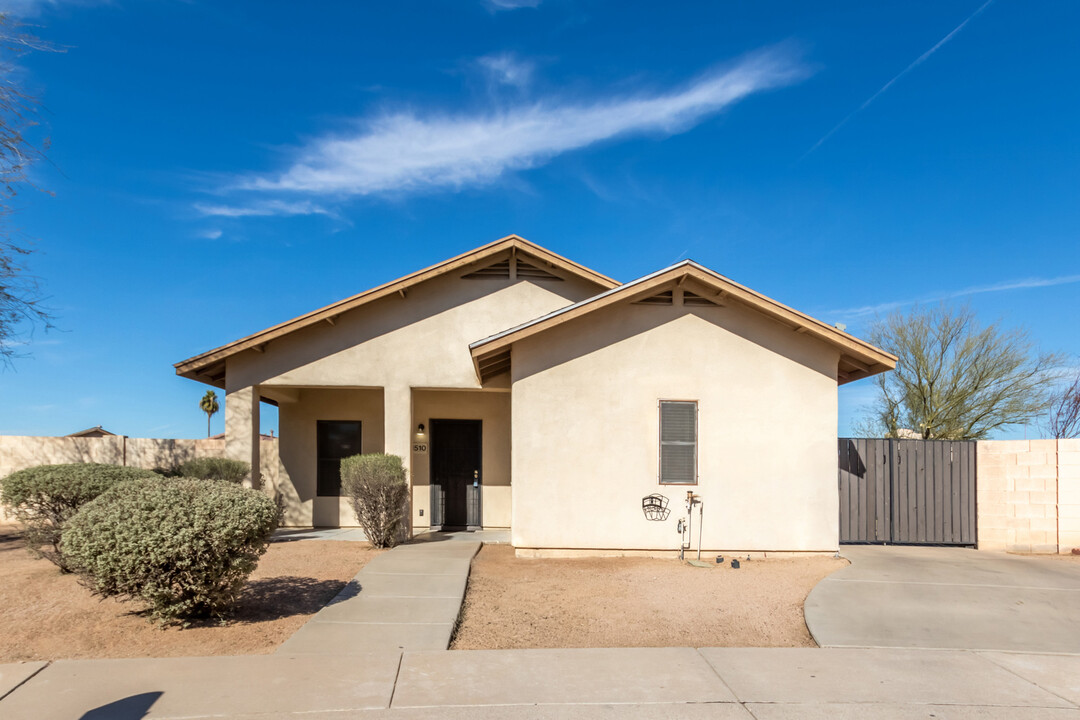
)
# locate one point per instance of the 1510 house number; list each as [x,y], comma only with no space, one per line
[419,447]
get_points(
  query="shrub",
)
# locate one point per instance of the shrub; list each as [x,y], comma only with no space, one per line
[44,498]
[376,488]
[183,546]
[214,468]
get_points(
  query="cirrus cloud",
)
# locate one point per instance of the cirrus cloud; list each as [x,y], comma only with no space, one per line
[267,208]
[412,152]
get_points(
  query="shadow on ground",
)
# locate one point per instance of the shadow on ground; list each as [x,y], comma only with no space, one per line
[284,596]
[133,707]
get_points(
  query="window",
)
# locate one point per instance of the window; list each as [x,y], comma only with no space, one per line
[336,439]
[678,442]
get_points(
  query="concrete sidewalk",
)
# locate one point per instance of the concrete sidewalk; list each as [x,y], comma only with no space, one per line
[734,683]
[407,598]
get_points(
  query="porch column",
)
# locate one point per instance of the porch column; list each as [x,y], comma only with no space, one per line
[242,430]
[397,437]
[398,427]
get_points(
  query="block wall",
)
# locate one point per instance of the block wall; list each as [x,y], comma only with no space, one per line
[1028,495]
[19,451]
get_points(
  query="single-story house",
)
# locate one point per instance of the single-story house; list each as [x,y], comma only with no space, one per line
[528,392]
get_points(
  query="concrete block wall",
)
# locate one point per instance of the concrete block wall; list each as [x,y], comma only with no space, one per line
[23,451]
[1068,494]
[1028,497]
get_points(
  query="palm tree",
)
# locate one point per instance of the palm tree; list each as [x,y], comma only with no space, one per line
[209,405]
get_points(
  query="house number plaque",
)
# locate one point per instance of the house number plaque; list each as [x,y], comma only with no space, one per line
[419,448]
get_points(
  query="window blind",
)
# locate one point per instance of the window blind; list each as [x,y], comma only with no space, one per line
[678,442]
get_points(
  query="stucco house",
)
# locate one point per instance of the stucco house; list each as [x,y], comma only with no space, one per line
[528,392]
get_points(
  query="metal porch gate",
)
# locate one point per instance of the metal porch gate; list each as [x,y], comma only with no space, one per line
[907,492]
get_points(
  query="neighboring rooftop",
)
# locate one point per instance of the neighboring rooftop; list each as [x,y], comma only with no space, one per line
[96,431]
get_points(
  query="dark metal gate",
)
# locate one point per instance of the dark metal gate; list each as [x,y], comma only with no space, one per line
[907,492]
[456,473]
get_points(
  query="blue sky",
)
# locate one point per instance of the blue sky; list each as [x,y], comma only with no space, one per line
[220,167]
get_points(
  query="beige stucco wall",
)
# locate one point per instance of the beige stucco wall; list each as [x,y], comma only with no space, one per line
[1028,495]
[420,340]
[390,346]
[586,426]
[298,437]
[492,408]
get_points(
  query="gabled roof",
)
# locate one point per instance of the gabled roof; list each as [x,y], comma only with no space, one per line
[209,367]
[858,359]
[96,431]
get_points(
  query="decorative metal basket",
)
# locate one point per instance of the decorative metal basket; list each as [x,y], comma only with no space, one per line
[655,507]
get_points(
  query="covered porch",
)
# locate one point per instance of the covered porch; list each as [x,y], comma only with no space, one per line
[455,445]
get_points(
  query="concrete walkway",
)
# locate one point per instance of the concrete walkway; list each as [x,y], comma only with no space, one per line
[728,683]
[488,537]
[408,598]
[934,597]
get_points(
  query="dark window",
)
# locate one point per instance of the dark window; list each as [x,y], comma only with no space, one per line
[336,439]
[678,442]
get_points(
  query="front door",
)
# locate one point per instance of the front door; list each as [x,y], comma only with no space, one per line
[456,471]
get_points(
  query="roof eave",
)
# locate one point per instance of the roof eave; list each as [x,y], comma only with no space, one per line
[191,366]
[868,359]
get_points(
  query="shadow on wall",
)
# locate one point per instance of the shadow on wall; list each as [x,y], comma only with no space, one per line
[23,451]
[133,707]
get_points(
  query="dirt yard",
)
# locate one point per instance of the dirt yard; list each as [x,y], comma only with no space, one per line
[48,616]
[636,602]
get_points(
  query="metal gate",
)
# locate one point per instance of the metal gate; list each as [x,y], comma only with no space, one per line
[907,492]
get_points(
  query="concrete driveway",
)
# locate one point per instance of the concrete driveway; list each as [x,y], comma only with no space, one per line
[930,597]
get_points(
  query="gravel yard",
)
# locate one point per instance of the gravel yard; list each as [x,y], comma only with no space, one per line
[636,602]
[48,616]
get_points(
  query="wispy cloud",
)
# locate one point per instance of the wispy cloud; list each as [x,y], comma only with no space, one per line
[867,310]
[918,61]
[266,208]
[507,69]
[511,4]
[211,234]
[412,152]
[31,8]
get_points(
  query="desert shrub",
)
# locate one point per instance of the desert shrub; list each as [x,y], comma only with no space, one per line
[214,468]
[183,546]
[376,487]
[44,498]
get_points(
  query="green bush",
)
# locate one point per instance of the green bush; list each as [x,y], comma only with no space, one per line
[183,546]
[214,468]
[44,498]
[376,487]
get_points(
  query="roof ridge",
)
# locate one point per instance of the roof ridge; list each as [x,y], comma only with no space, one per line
[192,365]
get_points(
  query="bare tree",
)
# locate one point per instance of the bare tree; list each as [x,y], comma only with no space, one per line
[20,297]
[956,380]
[1064,418]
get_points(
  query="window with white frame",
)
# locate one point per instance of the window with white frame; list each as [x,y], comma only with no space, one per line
[678,442]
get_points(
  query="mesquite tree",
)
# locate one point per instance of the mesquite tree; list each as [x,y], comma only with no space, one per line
[20,296]
[955,379]
[1064,419]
